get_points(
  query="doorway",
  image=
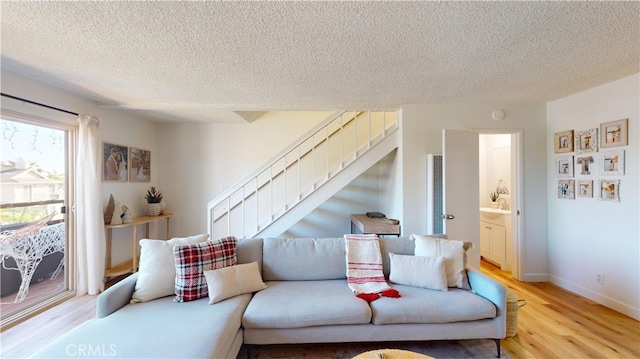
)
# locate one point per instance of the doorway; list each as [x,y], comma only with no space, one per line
[500,175]
[33,221]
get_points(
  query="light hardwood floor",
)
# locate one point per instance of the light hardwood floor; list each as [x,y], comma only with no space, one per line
[554,324]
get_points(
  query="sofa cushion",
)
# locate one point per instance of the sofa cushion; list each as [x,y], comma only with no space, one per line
[250,250]
[234,280]
[147,330]
[157,271]
[454,253]
[423,306]
[303,259]
[417,271]
[192,260]
[297,304]
[401,245]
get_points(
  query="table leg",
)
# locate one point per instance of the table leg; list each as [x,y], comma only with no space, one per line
[109,233]
[168,228]
[134,262]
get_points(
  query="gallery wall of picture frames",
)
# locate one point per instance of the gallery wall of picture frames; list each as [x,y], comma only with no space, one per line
[588,158]
[123,163]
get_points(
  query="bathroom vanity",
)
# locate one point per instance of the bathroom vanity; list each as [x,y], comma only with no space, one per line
[495,234]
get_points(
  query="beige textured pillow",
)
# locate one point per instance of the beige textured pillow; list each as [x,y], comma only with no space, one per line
[453,253]
[423,272]
[157,270]
[231,281]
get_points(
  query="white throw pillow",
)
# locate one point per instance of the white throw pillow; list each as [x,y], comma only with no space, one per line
[423,272]
[231,281]
[453,253]
[157,271]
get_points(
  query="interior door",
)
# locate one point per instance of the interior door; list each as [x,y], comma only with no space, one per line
[460,172]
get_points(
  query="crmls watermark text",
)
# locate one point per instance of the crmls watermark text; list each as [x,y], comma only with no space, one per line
[93,351]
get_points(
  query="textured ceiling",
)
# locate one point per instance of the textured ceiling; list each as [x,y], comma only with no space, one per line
[227,61]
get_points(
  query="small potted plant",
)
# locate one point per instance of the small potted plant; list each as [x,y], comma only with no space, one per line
[154,198]
[494,197]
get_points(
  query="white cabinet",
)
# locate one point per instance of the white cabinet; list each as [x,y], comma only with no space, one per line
[494,234]
[493,242]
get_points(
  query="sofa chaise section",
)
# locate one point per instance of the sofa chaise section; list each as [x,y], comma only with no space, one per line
[160,328]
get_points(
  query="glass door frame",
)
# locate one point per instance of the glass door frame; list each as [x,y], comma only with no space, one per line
[69,125]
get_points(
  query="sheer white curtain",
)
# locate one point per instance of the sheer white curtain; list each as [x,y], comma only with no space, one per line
[90,254]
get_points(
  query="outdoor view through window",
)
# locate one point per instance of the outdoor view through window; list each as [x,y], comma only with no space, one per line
[32,228]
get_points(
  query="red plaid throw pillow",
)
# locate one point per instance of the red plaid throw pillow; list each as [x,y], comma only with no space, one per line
[193,259]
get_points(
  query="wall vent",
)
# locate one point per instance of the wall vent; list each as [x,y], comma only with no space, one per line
[435,197]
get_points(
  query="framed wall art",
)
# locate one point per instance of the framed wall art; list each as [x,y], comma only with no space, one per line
[614,133]
[140,165]
[114,162]
[612,163]
[563,142]
[586,141]
[609,190]
[585,188]
[566,189]
[564,166]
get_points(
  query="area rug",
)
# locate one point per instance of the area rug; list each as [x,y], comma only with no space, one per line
[436,349]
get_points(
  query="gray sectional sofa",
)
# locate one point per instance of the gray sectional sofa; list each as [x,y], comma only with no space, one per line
[307,300]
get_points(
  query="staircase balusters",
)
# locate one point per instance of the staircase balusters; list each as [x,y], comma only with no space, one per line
[246,198]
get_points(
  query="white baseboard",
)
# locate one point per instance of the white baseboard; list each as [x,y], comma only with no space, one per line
[535,277]
[599,298]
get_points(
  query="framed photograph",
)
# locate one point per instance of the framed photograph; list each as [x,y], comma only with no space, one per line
[609,190]
[566,189]
[614,133]
[114,162]
[585,188]
[586,141]
[563,141]
[583,163]
[564,166]
[140,165]
[612,163]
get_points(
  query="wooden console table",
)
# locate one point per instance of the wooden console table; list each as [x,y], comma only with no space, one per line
[132,265]
[379,226]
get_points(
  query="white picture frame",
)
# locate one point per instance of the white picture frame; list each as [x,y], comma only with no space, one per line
[566,189]
[586,141]
[585,188]
[614,133]
[609,190]
[564,166]
[612,163]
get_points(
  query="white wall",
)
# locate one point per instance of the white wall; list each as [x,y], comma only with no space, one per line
[200,159]
[588,236]
[422,134]
[333,217]
[120,127]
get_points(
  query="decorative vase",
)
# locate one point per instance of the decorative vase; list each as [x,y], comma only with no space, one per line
[163,207]
[153,209]
[494,205]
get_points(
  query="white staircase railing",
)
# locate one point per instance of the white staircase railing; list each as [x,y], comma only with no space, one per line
[257,201]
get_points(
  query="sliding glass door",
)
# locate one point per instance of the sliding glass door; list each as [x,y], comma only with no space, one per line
[33,226]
